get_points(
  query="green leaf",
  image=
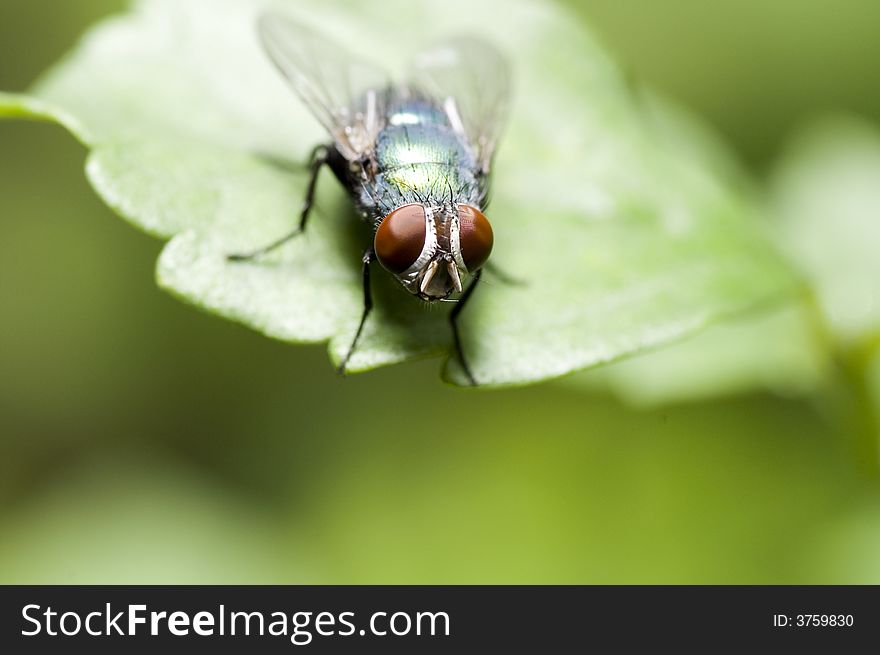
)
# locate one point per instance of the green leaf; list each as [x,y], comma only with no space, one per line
[628,230]
[827,191]
[777,350]
[16,105]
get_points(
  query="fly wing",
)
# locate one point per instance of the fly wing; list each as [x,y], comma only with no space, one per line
[346,95]
[471,81]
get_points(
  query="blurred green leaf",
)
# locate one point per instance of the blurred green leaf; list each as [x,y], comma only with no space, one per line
[776,350]
[140,518]
[827,193]
[627,238]
[27,107]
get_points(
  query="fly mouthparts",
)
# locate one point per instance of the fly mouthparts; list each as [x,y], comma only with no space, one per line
[452,269]
[429,275]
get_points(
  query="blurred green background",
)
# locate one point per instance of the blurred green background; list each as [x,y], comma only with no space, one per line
[142,441]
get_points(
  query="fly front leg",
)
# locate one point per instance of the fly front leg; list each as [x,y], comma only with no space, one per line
[368,305]
[319,157]
[453,321]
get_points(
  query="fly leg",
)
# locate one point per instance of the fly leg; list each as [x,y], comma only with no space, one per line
[453,321]
[368,305]
[318,158]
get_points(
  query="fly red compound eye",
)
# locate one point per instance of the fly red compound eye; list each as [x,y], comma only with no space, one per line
[400,238]
[474,237]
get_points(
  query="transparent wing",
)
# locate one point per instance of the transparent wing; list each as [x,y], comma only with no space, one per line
[346,95]
[471,80]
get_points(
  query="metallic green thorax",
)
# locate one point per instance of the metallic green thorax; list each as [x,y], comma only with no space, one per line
[419,158]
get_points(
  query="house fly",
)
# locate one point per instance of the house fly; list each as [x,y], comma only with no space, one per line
[415,157]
